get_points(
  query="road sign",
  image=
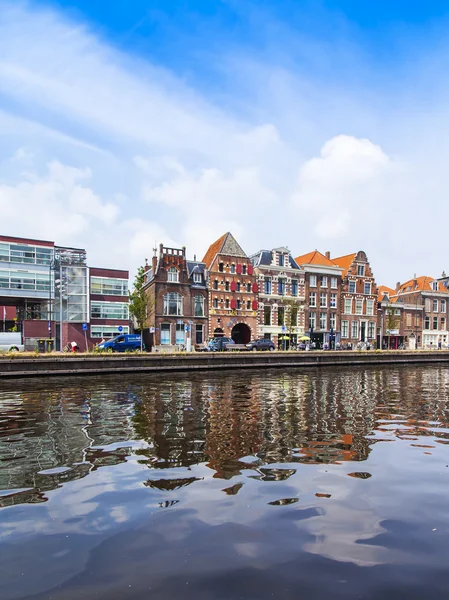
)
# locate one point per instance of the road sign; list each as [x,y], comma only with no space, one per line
[84,326]
[152,329]
[120,328]
[284,328]
[187,327]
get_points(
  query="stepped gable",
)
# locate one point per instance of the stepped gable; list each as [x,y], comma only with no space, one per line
[226,244]
[314,258]
[344,262]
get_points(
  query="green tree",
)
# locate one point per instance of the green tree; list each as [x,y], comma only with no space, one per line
[138,303]
[392,321]
[291,306]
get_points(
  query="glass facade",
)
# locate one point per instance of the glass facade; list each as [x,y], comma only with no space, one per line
[25,280]
[106,331]
[108,286]
[109,310]
[24,253]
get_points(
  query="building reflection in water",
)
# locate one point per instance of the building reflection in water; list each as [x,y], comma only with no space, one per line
[231,423]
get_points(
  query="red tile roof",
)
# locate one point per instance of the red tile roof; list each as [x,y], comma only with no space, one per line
[344,262]
[420,284]
[213,250]
[382,290]
[314,258]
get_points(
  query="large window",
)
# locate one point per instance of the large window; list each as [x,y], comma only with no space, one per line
[443,306]
[370,307]
[294,287]
[24,280]
[199,306]
[108,286]
[323,320]
[323,299]
[334,282]
[345,329]
[180,333]
[333,301]
[360,273]
[312,320]
[352,287]
[267,315]
[367,287]
[106,331]
[371,330]
[199,333]
[348,306]
[427,323]
[173,275]
[312,299]
[267,285]
[109,310]
[22,253]
[355,329]
[359,307]
[165,333]
[333,320]
[323,281]
[312,280]
[435,322]
[173,304]
[435,306]
[281,286]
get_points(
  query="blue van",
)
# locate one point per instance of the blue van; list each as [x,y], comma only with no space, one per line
[122,343]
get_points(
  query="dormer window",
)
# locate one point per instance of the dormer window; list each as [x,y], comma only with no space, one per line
[435,286]
[281,260]
[173,275]
[197,278]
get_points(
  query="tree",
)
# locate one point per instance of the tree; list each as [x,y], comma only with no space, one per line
[391,321]
[138,304]
[291,306]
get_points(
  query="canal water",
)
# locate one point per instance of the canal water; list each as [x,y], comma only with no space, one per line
[270,484]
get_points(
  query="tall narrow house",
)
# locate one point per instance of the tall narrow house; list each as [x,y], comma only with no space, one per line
[233,291]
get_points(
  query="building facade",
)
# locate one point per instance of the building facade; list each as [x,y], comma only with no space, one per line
[177,299]
[358,305]
[281,297]
[232,291]
[109,303]
[322,298]
[399,323]
[48,290]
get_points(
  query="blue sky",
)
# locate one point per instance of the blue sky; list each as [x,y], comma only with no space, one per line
[300,123]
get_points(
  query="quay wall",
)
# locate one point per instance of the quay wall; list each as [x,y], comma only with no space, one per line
[17,368]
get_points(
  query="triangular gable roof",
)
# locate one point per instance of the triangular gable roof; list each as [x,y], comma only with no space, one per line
[314,258]
[421,284]
[226,244]
[384,290]
[344,262]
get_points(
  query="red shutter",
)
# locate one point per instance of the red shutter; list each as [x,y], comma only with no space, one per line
[255,305]
[239,269]
[233,286]
[233,303]
[255,288]
[250,269]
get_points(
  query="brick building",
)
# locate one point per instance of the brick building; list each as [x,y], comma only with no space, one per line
[233,291]
[48,290]
[322,279]
[399,322]
[281,296]
[358,306]
[177,299]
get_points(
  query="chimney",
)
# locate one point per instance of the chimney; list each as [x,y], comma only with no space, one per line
[328,254]
[154,261]
[147,266]
[398,285]
[194,258]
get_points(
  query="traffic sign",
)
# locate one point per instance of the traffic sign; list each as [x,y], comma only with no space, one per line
[84,326]
[120,328]
[187,327]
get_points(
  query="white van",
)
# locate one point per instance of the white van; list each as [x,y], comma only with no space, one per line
[11,341]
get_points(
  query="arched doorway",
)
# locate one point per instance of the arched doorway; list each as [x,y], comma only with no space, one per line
[218,332]
[241,333]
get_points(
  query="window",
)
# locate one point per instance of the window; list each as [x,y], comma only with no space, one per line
[199,333]
[173,275]
[237,286]
[333,320]
[25,280]
[312,320]
[352,287]
[19,253]
[266,285]
[435,322]
[221,267]
[248,305]
[360,272]
[312,299]
[173,304]
[267,315]
[281,260]
[348,306]
[197,278]
[180,333]
[323,280]
[344,329]
[281,286]
[358,307]
[312,281]
[333,301]
[232,268]
[323,299]
[239,304]
[248,287]
[215,303]
[244,269]
[428,304]
[443,323]
[370,307]
[281,315]
[227,286]
[435,306]
[334,282]
[443,306]
[165,333]
[435,286]
[427,323]
[108,286]
[294,287]
[408,319]
[355,329]
[323,320]
[367,288]
[106,331]
[371,330]
[227,302]
[109,310]
[199,306]
[216,284]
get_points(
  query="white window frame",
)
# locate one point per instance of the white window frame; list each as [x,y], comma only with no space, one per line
[367,285]
[312,299]
[333,300]
[323,320]
[359,306]
[323,296]
[370,307]
[355,330]
[312,281]
[197,278]
[345,329]
[323,281]
[352,286]
[334,282]
[172,275]
[361,270]
[347,306]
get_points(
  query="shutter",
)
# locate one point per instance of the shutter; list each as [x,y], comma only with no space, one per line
[233,286]
[233,303]
[239,269]
[255,288]
[255,305]
[250,269]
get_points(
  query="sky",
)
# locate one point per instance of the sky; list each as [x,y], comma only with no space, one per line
[308,124]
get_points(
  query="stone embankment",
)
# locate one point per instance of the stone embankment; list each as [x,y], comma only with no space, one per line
[89,364]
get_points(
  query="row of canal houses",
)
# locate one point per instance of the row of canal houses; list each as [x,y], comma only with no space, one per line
[272,294]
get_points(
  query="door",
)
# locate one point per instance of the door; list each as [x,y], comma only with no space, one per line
[363,331]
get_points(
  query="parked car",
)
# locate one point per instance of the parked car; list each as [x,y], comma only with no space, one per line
[219,344]
[261,344]
[122,343]
[11,341]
